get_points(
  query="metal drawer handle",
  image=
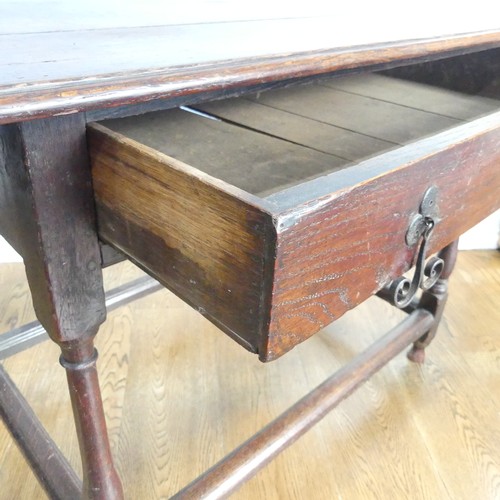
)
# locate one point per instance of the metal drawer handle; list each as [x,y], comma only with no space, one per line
[402,290]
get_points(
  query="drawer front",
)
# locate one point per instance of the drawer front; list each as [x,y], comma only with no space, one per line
[342,238]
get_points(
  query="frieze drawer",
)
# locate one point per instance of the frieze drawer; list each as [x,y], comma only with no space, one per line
[274,214]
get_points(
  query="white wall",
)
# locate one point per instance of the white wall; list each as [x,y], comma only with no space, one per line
[7,253]
[485,235]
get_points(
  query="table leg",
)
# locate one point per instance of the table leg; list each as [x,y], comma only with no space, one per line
[434,300]
[47,214]
[49,465]
[100,480]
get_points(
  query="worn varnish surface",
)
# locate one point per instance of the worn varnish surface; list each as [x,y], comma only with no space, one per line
[326,243]
[47,214]
[100,57]
[179,395]
[342,249]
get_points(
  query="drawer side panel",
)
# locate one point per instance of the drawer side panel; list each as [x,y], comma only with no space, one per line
[204,244]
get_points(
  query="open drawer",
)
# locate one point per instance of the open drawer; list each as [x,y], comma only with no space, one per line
[274,214]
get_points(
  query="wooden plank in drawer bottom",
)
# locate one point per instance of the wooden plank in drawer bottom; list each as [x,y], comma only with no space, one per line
[300,235]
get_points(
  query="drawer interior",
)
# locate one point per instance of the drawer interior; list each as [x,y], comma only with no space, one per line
[268,142]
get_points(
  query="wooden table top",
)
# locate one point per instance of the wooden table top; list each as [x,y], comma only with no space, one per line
[59,57]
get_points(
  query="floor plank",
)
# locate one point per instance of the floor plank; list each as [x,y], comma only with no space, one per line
[179,395]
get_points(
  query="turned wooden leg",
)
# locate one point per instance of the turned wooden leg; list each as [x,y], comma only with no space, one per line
[100,480]
[434,300]
[47,214]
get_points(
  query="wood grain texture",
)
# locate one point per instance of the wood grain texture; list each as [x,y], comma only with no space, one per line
[47,214]
[350,117]
[205,240]
[100,479]
[335,250]
[295,128]
[251,160]
[244,462]
[375,118]
[179,396]
[332,241]
[314,250]
[49,73]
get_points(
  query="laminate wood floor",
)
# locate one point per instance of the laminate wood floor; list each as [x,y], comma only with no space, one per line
[179,395]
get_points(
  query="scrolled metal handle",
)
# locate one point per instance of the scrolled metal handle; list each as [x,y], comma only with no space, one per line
[432,271]
[402,289]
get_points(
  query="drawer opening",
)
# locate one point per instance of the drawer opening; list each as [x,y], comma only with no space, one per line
[268,142]
[274,214]
[477,73]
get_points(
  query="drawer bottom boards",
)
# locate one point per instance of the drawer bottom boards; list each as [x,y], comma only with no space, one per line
[276,213]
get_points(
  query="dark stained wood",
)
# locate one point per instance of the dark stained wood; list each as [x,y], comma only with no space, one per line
[124,110]
[321,246]
[176,387]
[311,116]
[110,255]
[333,123]
[246,460]
[342,238]
[470,73]
[46,460]
[237,248]
[47,213]
[100,479]
[46,74]
[205,240]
